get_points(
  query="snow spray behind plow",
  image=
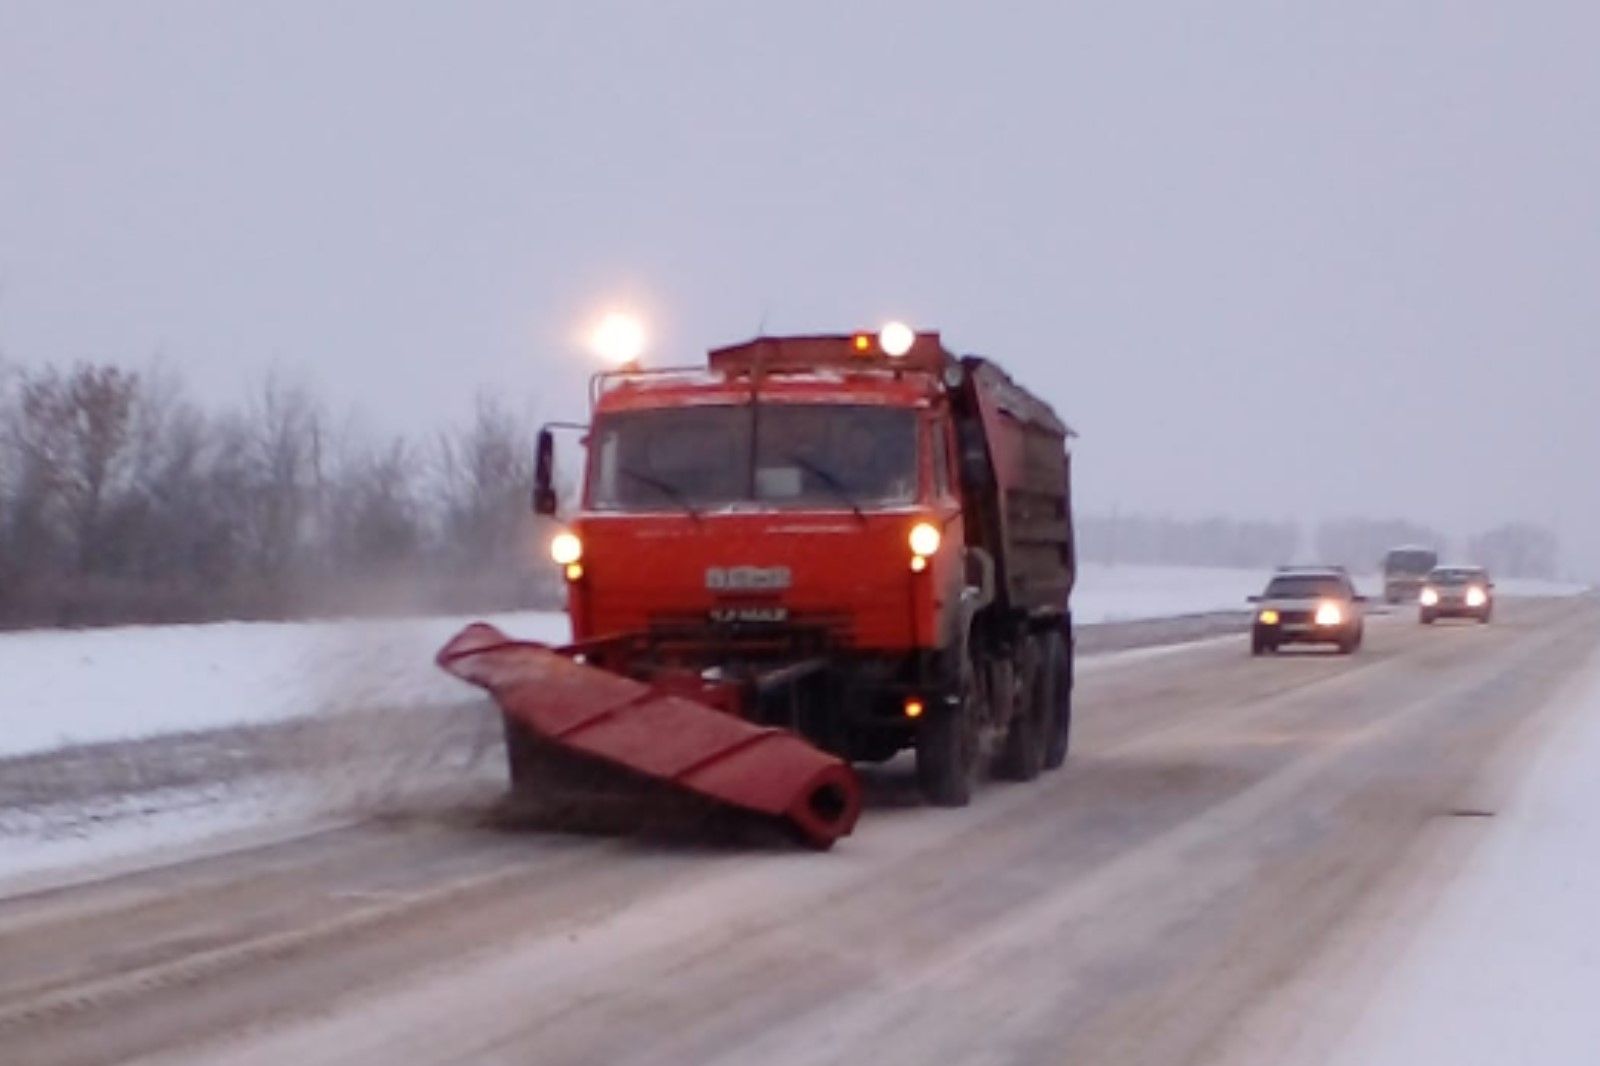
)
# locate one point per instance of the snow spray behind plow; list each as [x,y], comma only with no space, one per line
[659,735]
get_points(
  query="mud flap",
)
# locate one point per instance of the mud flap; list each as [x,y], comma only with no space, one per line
[667,738]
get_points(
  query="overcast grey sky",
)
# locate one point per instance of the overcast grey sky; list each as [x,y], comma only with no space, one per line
[1272,259]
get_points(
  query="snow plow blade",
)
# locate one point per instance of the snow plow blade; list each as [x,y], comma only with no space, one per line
[655,734]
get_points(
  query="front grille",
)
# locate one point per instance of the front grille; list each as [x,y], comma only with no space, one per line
[698,634]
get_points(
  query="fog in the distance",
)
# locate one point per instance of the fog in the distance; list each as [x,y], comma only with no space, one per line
[1270,261]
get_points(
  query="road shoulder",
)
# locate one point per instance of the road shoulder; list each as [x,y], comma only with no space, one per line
[1485,946]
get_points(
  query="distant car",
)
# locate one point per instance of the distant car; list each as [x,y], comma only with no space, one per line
[1404,571]
[1456,592]
[1308,605]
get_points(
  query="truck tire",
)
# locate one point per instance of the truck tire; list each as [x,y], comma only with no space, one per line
[1058,679]
[948,745]
[1021,756]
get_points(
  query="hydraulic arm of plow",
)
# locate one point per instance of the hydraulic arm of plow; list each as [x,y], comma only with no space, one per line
[660,734]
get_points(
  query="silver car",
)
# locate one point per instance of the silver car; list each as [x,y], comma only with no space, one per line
[1308,605]
[1456,592]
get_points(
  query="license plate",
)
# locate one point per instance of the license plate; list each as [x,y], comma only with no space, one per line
[749,615]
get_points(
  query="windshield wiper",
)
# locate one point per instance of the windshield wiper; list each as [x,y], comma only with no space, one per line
[666,488]
[830,479]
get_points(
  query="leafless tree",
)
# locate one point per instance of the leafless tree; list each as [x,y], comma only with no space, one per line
[486,470]
[278,450]
[374,518]
[1517,549]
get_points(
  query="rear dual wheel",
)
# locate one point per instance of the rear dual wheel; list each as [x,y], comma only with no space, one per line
[1021,756]
[1040,733]
[1059,675]
[1038,737]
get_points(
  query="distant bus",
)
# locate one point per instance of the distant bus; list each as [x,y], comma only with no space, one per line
[1404,570]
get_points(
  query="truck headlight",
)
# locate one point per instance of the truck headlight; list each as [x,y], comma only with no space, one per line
[566,548]
[1429,598]
[1329,614]
[1268,617]
[1476,597]
[924,539]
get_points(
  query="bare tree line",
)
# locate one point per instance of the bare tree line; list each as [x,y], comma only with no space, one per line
[1150,539]
[1514,549]
[121,501]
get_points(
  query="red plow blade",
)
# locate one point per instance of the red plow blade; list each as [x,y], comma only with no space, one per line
[653,733]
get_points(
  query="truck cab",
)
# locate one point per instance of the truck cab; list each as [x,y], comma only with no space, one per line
[818,529]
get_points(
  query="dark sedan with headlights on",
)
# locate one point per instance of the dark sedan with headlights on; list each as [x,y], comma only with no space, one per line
[1308,605]
[1456,592]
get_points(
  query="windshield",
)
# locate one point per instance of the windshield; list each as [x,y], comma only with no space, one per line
[1305,587]
[1455,576]
[1410,561]
[805,456]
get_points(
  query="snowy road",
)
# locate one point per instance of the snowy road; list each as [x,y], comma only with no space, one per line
[1220,820]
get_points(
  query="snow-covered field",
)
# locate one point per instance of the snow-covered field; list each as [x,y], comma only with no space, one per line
[59,688]
[63,687]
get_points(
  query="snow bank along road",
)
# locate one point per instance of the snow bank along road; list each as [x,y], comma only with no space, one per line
[1218,820]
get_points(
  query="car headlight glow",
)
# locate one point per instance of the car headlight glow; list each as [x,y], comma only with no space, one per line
[1429,597]
[1476,597]
[566,548]
[1268,617]
[1329,614]
[924,539]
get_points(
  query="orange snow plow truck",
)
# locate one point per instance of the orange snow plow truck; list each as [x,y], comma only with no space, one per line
[811,552]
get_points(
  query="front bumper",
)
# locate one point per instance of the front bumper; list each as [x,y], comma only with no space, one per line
[1458,609]
[1303,633]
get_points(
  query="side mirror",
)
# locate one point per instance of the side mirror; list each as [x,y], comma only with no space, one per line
[1359,598]
[544,466]
[1252,599]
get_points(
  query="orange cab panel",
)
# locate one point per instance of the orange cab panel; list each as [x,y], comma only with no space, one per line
[846,576]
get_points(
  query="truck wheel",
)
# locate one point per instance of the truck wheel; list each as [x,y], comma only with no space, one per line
[947,746]
[1058,681]
[1427,618]
[1022,753]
